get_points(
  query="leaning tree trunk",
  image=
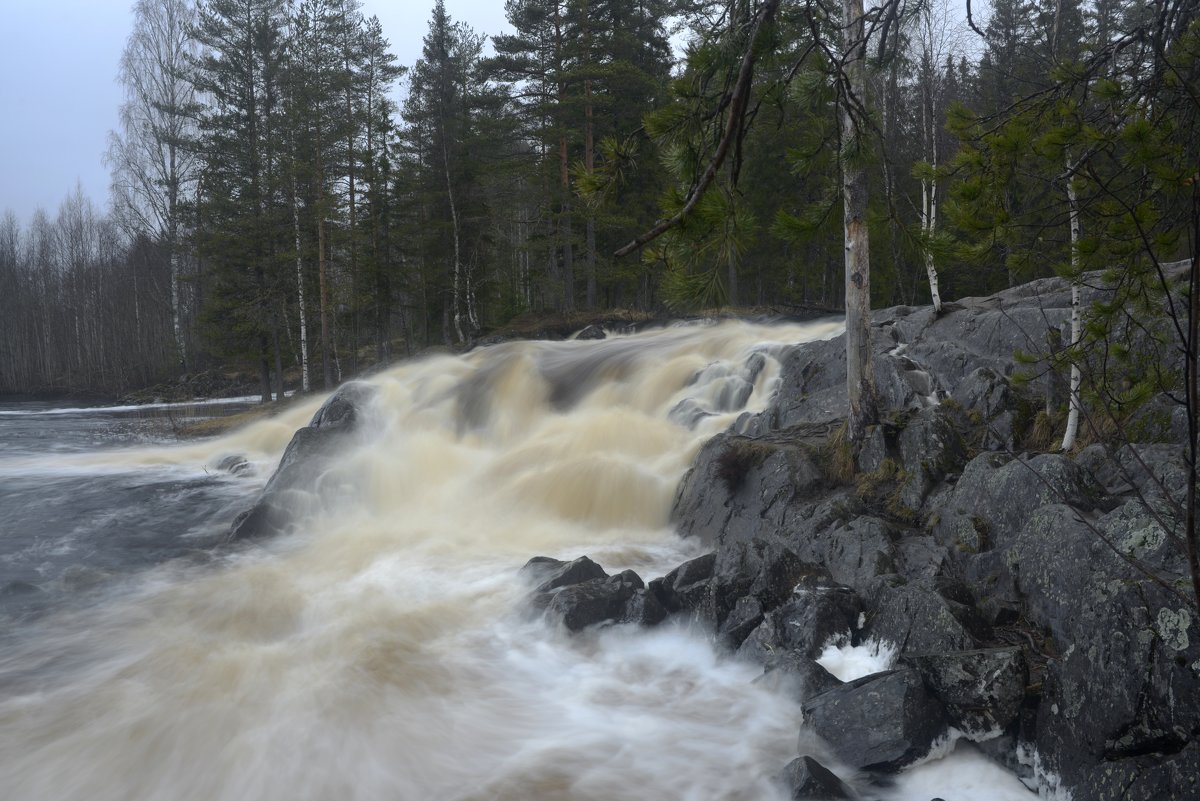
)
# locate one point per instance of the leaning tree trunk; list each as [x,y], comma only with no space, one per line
[860,379]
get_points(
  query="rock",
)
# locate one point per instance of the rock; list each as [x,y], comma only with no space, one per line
[591,332]
[856,552]
[739,487]
[881,722]
[235,465]
[291,488]
[747,614]
[795,674]
[813,617]
[644,609]
[917,617]
[930,448]
[552,573]
[981,691]
[806,779]
[599,600]
[989,401]
[687,586]
[1173,776]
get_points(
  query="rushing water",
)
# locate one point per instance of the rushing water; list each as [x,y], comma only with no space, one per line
[382,650]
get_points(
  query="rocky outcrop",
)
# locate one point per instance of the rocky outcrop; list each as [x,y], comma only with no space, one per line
[293,488]
[1037,603]
[579,594]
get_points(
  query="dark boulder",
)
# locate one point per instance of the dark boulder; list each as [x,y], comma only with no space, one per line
[981,691]
[687,586]
[599,600]
[292,487]
[813,617]
[882,722]
[806,779]
[591,332]
[740,487]
[794,674]
[919,617]
[553,573]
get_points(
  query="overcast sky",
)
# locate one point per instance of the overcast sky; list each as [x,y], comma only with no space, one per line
[59,93]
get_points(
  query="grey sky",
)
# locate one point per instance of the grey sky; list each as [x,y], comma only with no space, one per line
[59,93]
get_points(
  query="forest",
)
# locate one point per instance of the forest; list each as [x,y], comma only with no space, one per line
[273,209]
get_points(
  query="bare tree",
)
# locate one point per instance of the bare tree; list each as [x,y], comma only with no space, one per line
[151,168]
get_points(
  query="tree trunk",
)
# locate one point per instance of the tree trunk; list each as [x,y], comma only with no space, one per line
[326,367]
[303,322]
[1076,316]
[860,380]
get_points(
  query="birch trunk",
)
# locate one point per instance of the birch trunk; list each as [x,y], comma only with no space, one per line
[1076,317]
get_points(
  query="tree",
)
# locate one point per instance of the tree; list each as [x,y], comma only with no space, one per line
[151,163]
[239,70]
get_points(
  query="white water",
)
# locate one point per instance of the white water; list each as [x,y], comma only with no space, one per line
[383,651]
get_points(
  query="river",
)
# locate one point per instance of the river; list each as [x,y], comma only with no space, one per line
[382,650]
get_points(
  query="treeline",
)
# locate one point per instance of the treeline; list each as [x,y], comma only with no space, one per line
[273,209]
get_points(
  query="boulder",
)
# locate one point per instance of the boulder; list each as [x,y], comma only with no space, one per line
[918,617]
[814,616]
[806,779]
[794,674]
[595,601]
[591,332]
[981,691]
[291,489]
[553,573]
[882,722]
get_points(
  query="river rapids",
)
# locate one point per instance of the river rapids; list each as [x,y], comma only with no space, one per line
[383,649]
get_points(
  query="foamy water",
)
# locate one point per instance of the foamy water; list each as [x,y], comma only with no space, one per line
[382,650]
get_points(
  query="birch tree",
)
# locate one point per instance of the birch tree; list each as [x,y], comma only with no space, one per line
[152,169]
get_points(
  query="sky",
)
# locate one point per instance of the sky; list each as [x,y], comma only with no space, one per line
[59,94]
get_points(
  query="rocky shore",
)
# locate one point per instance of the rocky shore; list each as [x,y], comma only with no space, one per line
[1037,604]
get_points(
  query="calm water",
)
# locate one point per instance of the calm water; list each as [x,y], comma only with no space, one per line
[382,650]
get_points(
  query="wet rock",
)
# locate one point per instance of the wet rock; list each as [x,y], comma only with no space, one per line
[644,609]
[747,614]
[235,465]
[596,601]
[917,617]
[591,332]
[553,573]
[797,675]
[1175,775]
[814,616]
[881,722]
[687,586]
[806,779]
[981,691]
[740,487]
[856,552]
[291,488]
